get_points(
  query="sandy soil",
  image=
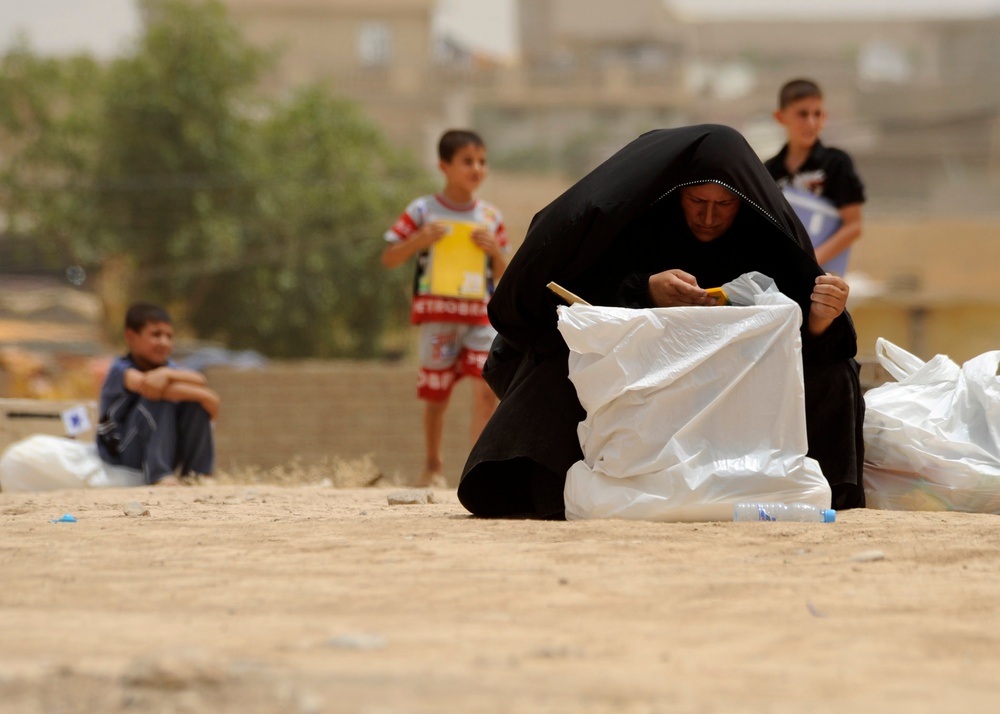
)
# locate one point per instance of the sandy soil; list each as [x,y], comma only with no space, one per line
[237,598]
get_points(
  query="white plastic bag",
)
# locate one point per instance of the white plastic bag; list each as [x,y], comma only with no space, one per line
[689,410]
[45,463]
[932,438]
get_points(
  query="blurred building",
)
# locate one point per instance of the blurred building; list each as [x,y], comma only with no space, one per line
[914,101]
[379,53]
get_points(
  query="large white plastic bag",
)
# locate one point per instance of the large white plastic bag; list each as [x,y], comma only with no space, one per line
[689,411]
[45,463]
[932,438]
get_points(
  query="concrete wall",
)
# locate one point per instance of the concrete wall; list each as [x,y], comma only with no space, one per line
[317,410]
[20,418]
[934,277]
[312,412]
[306,411]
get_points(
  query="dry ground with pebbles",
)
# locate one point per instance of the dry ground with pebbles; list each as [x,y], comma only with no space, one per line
[309,599]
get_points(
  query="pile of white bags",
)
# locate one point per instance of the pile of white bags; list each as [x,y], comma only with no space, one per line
[45,463]
[932,438]
[690,410]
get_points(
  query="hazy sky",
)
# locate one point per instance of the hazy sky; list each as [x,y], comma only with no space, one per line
[63,26]
[488,25]
[103,26]
[835,8]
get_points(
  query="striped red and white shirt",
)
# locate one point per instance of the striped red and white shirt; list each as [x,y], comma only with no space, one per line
[427,209]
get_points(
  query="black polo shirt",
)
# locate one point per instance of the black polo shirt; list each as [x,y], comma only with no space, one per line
[827,172]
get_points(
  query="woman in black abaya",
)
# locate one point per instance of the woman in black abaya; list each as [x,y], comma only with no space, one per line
[602,239]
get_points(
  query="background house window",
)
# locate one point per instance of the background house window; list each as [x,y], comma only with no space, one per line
[375,44]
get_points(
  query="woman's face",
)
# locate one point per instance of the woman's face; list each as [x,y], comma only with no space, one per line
[709,210]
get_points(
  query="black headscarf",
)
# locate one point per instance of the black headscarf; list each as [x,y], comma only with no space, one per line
[574,236]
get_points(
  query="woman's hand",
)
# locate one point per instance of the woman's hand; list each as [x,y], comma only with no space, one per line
[829,300]
[675,288]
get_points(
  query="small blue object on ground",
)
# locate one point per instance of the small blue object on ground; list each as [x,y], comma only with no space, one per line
[68,518]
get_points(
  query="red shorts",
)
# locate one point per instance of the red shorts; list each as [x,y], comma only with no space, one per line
[448,352]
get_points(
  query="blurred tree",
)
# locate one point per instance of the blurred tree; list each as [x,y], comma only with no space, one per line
[311,281]
[48,116]
[173,187]
[257,222]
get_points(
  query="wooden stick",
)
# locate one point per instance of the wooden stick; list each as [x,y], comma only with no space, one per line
[566,294]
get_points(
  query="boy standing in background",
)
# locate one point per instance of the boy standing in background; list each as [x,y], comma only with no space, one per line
[819,181]
[455,333]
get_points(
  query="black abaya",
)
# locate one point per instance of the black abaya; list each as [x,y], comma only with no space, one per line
[601,239]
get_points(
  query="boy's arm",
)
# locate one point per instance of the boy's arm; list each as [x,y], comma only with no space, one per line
[189,392]
[156,384]
[849,231]
[499,265]
[398,252]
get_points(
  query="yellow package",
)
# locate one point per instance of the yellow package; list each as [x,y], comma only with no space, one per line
[720,296]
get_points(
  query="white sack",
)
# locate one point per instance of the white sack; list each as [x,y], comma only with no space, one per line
[932,438]
[689,410]
[45,463]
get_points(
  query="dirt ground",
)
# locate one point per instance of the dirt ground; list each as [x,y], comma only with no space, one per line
[310,599]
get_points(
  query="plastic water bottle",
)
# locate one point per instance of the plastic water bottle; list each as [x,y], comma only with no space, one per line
[798,512]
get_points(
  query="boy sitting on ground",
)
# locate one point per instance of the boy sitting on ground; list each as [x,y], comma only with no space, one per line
[155,417]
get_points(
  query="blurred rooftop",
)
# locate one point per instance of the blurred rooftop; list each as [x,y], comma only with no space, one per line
[914,100]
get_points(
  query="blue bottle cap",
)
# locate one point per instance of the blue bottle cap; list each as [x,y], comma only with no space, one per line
[829,515]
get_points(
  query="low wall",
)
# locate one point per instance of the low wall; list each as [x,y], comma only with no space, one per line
[306,411]
[312,411]
[20,418]
[323,409]
[317,410]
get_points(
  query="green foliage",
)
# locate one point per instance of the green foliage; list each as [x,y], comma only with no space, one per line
[48,116]
[257,222]
[172,186]
[329,186]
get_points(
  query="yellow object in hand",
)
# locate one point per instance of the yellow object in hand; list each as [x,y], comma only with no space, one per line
[719,295]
